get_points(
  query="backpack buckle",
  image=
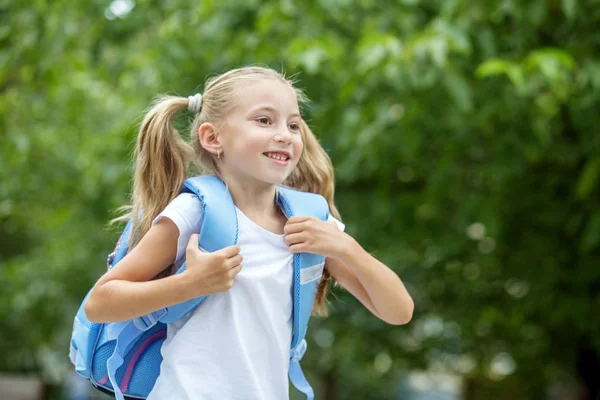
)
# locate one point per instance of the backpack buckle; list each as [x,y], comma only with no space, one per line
[147,321]
[297,353]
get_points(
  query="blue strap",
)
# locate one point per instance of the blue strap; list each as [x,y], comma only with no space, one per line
[219,225]
[297,203]
[219,229]
[129,334]
[296,375]
[147,321]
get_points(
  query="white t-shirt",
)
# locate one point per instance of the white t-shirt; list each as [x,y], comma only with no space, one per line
[236,344]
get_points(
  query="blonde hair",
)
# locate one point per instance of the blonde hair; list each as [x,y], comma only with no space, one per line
[163,157]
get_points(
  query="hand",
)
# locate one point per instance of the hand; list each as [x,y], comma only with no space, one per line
[211,272]
[312,235]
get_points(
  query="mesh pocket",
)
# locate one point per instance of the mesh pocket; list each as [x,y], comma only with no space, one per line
[141,364]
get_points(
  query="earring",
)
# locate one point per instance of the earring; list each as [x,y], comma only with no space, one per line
[218,153]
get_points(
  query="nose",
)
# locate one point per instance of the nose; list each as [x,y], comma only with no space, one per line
[283,135]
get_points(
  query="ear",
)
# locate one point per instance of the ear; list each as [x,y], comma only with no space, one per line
[208,138]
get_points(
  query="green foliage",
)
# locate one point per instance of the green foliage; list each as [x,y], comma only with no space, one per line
[466,149]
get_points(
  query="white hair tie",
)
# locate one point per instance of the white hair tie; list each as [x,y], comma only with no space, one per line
[194,103]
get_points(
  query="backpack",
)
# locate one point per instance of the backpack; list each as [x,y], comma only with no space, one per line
[123,358]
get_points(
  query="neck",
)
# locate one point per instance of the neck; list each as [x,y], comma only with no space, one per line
[252,197]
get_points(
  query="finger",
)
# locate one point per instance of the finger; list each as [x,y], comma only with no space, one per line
[193,241]
[295,220]
[294,238]
[294,227]
[234,261]
[229,251]
[298,248]
[235,270]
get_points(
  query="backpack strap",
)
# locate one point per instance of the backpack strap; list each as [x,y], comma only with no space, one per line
[308,269]
[219,225]
[219,229]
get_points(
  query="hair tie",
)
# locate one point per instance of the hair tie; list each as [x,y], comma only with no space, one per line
[195,103]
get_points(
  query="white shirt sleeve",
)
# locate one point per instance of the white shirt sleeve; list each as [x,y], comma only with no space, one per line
[186,212]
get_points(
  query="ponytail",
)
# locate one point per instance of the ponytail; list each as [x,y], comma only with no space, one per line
[314,173]
[161,161]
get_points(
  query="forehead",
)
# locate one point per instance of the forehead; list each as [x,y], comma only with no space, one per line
[279,95]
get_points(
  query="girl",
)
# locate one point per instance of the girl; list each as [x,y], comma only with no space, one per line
[247,130]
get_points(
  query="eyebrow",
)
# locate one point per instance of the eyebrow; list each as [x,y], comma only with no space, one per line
[271,109]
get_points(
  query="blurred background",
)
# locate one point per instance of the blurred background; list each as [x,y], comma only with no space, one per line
[467,150]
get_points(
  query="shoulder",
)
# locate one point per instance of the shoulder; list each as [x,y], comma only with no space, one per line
[185,210]
[186,201]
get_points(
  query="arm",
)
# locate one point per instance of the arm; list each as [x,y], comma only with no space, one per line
[375,285]
[126,291]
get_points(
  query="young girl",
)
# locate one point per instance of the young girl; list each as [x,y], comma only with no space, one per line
[247,130]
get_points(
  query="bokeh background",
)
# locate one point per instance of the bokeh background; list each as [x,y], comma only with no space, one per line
[467,150]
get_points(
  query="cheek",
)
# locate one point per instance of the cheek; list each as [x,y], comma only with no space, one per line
[298,147]
[246,143]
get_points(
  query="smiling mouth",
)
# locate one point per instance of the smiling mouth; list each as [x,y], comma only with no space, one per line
[278,156]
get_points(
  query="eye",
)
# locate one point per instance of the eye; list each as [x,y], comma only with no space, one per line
[264,120]
[295,127]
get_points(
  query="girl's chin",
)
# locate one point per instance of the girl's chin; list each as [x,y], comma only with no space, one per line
[269,174]
[275,179]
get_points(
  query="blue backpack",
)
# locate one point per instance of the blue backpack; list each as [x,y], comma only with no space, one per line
[123,358]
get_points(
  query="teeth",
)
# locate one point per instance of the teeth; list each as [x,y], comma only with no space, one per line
[277,156]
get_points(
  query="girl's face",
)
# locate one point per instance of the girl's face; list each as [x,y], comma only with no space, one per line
[261,137]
